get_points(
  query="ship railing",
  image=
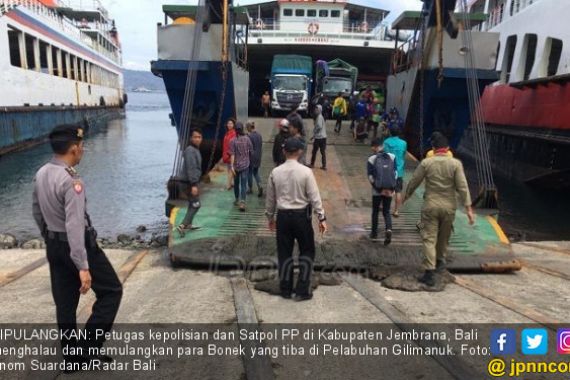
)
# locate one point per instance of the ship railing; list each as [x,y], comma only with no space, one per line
[352,31]
[405,56]
[88,5]
[66,26]
[504,10]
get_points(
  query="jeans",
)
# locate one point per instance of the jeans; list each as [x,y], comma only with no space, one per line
[386,203]
[319,144]
[253,173]
[240,184]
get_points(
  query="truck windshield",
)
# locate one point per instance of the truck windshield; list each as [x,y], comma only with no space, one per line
[290,83]
[337,85]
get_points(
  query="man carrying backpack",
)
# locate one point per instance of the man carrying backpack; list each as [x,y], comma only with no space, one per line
[382,174]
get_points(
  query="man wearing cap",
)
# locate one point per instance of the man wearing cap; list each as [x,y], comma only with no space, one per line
[76,262]
[292,196]
[444,178]
[282,135]
[240,151]
[398,147]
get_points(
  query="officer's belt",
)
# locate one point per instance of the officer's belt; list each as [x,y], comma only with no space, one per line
[293,211]
[61,236]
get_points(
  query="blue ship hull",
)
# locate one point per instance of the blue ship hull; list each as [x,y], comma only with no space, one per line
[445,109]
[21,127]
[206,108]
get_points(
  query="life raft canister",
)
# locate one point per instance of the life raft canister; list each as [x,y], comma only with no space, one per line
[313,28]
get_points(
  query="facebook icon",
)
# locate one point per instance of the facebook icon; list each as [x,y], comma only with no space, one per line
[503,342]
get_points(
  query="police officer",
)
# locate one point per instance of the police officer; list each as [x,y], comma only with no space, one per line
[76,262]
[444,178]
[292,194]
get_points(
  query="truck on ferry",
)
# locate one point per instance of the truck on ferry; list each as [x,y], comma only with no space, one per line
[291,82]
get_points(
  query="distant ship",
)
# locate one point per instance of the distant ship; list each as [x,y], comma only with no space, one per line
[527,112]
[58,64]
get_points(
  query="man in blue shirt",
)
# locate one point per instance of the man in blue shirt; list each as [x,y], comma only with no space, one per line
[398,147]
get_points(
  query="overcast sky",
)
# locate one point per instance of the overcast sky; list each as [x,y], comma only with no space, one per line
[136,22]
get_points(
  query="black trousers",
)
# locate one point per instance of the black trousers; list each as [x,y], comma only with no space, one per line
[319,144]
[291,226]
[65,286]
[386,203]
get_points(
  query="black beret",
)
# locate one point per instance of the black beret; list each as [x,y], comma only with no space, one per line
[292,144]
[67,132]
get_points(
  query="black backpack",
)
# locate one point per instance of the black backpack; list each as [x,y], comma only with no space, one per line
[385,177]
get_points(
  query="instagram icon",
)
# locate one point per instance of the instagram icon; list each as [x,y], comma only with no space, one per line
[563,341]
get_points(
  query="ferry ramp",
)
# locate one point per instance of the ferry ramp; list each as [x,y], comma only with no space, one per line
[233,239]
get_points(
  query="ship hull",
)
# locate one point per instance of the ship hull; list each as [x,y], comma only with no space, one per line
[22,127]
[528,129]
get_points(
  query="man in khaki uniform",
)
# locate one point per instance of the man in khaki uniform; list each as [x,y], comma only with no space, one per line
[444,179]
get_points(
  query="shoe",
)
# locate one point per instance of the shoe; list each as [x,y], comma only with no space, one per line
[428,278]
[236,202]
[440,266]
[242,206]
[303,297]
[260,192]
[396,214]
[312,166]
[324,168]
[373,236]
[388,237]
[286,295]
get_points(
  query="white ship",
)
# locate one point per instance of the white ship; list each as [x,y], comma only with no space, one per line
[526,111]
[60,62]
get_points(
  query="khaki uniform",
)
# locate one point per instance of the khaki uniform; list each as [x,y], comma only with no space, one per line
[444,179]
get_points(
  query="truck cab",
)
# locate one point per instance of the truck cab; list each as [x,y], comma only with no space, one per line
[291,83]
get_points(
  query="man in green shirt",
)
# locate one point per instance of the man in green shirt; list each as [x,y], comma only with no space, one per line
[444,179]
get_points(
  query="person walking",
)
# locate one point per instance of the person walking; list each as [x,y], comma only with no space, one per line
[191,174]
[444,178]
[280,137]
[339,111]
[398,147]
[76,263]
[292,197]
[297,131]
[382,174]
[241,149]
[255,159]
[266,103]
[319,138]
[226,157]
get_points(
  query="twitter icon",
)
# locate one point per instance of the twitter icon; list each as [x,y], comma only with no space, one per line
[534,341]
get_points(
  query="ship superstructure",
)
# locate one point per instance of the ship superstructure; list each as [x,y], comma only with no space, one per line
[59,63]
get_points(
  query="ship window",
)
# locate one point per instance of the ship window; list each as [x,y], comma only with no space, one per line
[555,54]
[530,54]
[509,57]
[31,51]
[335,14]
[64,57]
[324,13]
[287,12]
[14,42]
[44,57]
[54,54]
[312,13]
[72,63]
[299,12]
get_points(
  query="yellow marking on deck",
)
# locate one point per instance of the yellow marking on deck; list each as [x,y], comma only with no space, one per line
[498,230]
[173,214]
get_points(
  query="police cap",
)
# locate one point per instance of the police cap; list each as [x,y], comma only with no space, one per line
[292,145]
[67,133]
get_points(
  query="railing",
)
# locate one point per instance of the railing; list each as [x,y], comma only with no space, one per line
[68,27]
[352,31]
[507,8]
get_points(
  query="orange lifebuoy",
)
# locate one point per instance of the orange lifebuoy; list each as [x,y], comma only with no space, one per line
[313,28]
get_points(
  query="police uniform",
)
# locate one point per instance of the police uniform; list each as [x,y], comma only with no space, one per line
[444,178]
[292,194]
[59,209]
